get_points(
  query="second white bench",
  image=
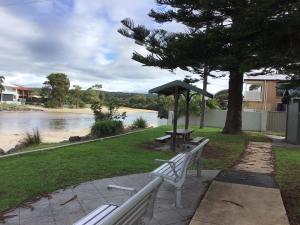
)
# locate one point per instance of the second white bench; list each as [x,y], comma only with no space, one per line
[174,170]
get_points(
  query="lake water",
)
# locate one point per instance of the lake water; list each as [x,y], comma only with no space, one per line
[20,122]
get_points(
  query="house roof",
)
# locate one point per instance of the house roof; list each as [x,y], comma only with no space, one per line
[21,88]
[169,88]
[270,77]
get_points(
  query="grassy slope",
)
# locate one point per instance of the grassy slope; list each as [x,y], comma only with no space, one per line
[26,176]
[288,177]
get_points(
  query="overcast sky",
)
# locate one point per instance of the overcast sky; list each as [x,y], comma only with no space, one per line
[79,38]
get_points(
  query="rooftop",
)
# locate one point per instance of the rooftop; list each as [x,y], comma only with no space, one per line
[169,88]
[271,77]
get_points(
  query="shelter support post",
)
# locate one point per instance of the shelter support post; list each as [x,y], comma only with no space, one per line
[187,110]
[176,97]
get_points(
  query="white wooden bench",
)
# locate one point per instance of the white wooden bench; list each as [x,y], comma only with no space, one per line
[196,140]
[135,211]
[163,138]
[174,170]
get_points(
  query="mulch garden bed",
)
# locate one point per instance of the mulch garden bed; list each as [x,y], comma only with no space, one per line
[291,200]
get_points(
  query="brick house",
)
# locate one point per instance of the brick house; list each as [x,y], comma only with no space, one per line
[260,93]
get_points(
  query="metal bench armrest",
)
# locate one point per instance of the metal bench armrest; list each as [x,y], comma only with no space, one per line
[132,191]
[171,163]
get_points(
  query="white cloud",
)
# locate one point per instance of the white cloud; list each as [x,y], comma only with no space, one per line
[79,38]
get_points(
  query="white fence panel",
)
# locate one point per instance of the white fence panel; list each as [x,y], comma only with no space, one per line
[252,121]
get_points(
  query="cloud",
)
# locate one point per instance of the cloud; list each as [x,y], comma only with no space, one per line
[79,38]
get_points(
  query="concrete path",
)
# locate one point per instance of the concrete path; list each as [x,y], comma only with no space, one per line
[245,195]
[67,206]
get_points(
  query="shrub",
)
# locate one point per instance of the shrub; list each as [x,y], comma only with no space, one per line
[104,128]
[139,123]
[112,113]
[31,139]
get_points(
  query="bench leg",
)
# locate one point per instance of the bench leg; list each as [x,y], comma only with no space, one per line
[199,167]
[178,203]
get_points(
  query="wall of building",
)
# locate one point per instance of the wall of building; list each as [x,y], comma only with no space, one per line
[271,98]
[9,95]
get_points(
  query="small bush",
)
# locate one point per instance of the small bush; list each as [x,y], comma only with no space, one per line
[32,139]
[139,123]
[104,128]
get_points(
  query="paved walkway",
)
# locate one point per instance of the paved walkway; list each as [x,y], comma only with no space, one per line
[67,206]
[245,195]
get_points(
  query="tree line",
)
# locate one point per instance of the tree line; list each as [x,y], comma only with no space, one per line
[57,92]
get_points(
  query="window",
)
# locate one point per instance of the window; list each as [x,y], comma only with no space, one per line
[253,92]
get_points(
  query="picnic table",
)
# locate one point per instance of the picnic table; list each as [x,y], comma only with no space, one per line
[185,134]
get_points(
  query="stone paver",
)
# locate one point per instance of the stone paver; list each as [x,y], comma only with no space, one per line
[59,210]
[257,157]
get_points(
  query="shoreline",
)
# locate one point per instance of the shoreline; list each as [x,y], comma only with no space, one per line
[9,141]
[85,110]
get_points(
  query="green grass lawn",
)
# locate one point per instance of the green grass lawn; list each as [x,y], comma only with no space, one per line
[288,177]
[26,176]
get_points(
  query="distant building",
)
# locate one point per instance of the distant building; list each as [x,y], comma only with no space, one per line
[9,94]
[15,94]
[24,93]
[261,94]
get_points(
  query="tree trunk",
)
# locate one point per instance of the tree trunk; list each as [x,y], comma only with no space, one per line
[203,104]
[187,110]
[233,124]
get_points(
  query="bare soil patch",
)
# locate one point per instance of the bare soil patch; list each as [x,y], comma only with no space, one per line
[213,152]
[291,199]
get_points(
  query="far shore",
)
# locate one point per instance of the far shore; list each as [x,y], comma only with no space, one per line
[84,110]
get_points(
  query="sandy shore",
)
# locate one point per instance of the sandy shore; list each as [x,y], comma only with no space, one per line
[86,110]
[9,141]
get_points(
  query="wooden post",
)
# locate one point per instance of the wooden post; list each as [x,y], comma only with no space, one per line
[187,110]
[176,97]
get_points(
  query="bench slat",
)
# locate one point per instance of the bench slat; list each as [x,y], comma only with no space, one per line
[141,202]
[178,167]
[165,166]
[97,215]
[197,140]
[163,138]
[136,212]
[167,169]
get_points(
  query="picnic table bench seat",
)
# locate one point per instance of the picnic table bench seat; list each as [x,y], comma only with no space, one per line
[163,138]
[136,210]
[174,170]
[196,140]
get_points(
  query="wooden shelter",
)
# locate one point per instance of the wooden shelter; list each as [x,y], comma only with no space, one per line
[176,88]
